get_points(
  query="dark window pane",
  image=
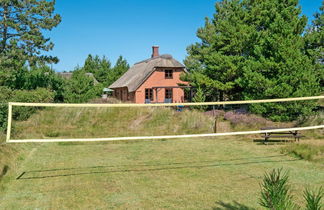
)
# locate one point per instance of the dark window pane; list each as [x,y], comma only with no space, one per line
[168,93]
[149,94]
[168,74]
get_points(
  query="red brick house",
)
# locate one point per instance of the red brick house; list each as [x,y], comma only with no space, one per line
[155,80]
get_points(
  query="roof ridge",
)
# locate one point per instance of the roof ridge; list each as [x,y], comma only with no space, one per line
[165,56]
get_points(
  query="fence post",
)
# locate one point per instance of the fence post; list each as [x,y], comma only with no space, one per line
[9,121]
[215,124]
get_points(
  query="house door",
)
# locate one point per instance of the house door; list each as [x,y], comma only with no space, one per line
[168,95]
[148,95]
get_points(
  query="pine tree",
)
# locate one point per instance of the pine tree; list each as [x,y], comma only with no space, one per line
[99,67]
[214,63]
[277,66]
[314,43]
[118,70]
[81,88]
[103,71]
[22,24]
[254,49]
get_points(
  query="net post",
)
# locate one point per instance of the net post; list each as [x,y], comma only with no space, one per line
[9,121]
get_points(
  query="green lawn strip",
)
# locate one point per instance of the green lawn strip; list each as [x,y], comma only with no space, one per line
[189,174]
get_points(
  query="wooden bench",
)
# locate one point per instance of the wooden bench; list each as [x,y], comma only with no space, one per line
[282,134]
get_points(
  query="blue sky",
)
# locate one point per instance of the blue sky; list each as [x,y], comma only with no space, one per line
[130,27]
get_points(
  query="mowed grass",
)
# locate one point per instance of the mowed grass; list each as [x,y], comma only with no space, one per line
[175,174]
[202,173]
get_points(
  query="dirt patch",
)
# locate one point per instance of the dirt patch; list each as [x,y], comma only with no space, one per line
[223,127]
[137,122]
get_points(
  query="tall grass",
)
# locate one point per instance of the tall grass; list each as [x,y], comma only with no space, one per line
[317,118]
[311,152]
[112,122]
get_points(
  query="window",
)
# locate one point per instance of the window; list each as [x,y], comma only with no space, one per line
[168,93]
[168,74]
[149,94]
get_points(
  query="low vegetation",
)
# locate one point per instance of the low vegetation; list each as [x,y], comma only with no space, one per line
[112,122]
[276,193]
[314,199]
[21,113]
[222,172]
[311,152]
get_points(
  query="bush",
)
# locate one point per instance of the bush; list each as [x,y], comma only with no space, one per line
[81,88]
[246,119]
[40,95]
[313,199]
[287,111]
[199,97]
[41,76]
[275,191]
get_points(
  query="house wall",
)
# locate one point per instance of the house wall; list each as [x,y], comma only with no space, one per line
[157,78]
[123,94]
[120,93]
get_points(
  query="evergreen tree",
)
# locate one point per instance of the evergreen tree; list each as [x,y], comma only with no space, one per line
[277,66]
[254,49]
[102,69]
[118,70]
[22,23]
[99,67]
[314,46]
[81,88]
[214,63]
[200,97]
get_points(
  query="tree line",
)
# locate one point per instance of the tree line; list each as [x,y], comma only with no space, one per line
[249,49]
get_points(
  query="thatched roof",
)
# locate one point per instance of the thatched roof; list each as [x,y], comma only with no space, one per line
[137,74]
[68,75]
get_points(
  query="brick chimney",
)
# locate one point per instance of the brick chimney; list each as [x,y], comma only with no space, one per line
[155,51]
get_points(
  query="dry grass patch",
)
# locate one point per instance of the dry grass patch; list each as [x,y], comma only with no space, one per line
[312,150]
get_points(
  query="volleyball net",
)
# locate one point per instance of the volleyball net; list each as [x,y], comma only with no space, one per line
[58,122]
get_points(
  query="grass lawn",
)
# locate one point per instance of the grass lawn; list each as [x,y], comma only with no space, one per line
[206,173]
[214,173]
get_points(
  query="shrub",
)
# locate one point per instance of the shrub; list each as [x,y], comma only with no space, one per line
[215,113]
[40,95]
[199,97]
[21,113]
[275,191]
[245,119]
[40,76]
[81,88]
[313,199]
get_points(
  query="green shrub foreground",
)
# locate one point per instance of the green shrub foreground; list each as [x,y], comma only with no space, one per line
[276,194]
